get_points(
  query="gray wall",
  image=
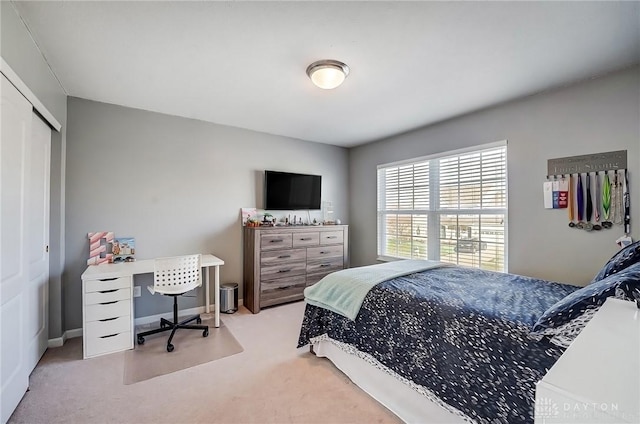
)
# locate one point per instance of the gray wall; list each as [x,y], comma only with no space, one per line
[20,52]
[176,185]
[594,116]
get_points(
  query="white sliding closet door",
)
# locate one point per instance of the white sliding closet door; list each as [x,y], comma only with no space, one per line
[25,144]
[15,130]
[37,234]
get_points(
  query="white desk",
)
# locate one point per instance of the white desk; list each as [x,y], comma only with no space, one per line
[126,271]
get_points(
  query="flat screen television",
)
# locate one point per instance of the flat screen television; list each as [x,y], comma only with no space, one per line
[288,191]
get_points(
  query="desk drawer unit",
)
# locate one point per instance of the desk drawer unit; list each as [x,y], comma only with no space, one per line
[279,262]
[107,310]
[101,345]
[107,296]
[107,316]
[108,284]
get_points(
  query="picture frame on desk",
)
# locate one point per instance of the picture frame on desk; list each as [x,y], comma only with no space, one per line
[123,249]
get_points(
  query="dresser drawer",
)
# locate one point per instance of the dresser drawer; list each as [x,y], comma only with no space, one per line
[109,326]
[325,265]
[100,345]
[306,239]
[277,257]
[314,278]
[275,241]
[107,310]
[282,290]
[282,283]
[107,296]
[331,237]
[109,284]
[282,271]
[325,251]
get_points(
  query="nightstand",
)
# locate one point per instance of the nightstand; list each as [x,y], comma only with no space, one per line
[597,379]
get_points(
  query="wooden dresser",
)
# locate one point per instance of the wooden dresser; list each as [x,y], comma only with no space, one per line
[279,262]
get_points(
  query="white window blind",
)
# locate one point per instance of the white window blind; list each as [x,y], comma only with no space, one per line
[451,208]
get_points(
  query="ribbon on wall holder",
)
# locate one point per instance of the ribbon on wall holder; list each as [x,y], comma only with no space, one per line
[556,193]
[580,203]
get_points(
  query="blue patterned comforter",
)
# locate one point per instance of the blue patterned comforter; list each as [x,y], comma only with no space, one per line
[460,333]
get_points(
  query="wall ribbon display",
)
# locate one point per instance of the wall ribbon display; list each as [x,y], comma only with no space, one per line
[592,197]
[602,202]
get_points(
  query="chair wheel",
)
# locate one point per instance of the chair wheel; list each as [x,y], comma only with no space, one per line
[205,333]
[140,340]
[199,320]
[169,347]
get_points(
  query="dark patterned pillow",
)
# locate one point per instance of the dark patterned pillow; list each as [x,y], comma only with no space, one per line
[625,257]
[566,318]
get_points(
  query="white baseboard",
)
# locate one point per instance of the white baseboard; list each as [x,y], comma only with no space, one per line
[77,332]
[57,342]
[69,334]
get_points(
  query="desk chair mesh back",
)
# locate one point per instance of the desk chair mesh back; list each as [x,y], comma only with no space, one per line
[174,277]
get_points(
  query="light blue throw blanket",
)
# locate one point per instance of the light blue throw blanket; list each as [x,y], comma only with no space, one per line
[344,291]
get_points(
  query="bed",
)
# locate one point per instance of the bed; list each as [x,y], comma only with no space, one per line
[456,344]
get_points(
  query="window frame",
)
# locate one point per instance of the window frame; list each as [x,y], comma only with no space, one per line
[434,211]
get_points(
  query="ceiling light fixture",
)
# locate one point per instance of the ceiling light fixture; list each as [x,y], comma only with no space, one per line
[327,74]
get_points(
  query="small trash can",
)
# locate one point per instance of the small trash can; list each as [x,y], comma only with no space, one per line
[229,298]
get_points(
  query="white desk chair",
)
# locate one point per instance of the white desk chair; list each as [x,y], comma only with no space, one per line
[174,277]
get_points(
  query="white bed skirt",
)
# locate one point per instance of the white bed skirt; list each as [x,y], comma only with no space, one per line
[397,396]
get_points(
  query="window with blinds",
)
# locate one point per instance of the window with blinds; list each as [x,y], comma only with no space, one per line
[451,208]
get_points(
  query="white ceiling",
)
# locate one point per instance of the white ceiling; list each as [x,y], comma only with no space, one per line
[243,63]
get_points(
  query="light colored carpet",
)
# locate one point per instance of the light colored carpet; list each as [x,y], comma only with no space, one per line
[190,349]
[269,382]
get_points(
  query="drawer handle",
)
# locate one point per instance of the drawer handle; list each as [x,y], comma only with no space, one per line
[332,237]
[324,265]
[108,291]
[284,256]
[306,238]
[108,279]
[107,319]
[281,271]
[283,288]
[276,241]
[110,335]
[322,252]
[109,303]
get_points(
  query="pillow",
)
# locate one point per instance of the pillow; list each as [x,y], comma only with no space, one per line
[625,257]
[566,318]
